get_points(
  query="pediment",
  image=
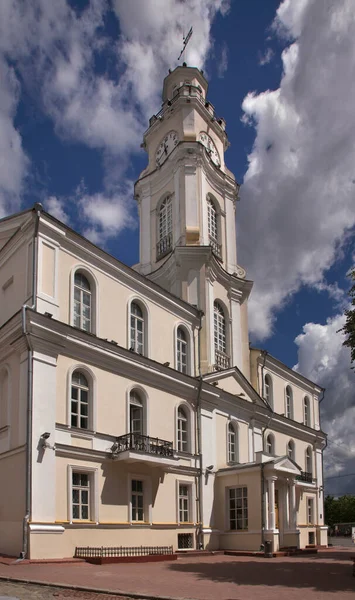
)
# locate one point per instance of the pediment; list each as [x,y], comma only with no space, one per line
[285,465]
[233,381]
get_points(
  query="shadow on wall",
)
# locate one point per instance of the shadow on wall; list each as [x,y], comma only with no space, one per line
[327,572]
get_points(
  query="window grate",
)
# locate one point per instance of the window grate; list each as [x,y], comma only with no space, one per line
[185,541]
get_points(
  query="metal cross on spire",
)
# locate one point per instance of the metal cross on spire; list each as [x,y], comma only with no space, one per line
[186,40]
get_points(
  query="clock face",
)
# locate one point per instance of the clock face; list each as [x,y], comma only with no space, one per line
[211,149]
[166,146]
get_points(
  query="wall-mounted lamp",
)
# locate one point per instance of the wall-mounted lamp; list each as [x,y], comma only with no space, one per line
[43,441]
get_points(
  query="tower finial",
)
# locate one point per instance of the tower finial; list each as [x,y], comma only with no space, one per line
[186,40]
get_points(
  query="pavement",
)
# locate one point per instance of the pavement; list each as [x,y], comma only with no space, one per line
[324,576]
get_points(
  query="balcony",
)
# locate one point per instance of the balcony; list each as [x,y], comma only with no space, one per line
[216,248]
[135,447]
[222,360]
[164,246]
[305,477]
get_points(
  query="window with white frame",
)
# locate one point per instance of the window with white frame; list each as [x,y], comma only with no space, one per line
[232,443]
[184,503]
[79,401]
[81,483]
[288,402]
[182,430]
[212,222]
[291,449]
[238,508]
[306,411]
[219,328]
[136,413]
[309,460]
[270,444]
[165,218]
[137,500]
[82,302]
[268,394]
[181,350]
[137,329]
[310,511]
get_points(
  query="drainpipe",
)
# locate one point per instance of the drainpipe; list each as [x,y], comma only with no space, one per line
[200,473]
[198,448]
[325,447]
[38,209]
[264,354]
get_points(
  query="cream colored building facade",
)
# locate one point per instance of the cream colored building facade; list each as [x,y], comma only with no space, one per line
[132,410]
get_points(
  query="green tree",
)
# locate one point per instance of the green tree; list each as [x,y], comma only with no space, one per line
[349,327]
[339,510]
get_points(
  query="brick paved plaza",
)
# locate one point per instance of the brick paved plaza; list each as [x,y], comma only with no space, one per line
[327,575]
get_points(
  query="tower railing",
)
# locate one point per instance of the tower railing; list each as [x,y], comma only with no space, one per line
[222,360]
[187,90]
[164,246]
[216,248]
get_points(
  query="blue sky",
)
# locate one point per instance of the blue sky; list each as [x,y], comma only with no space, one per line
[81,79]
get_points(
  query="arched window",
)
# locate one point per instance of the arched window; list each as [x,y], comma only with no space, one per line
[309,465]
[270,445]
[212,223]
[220,342]
[232,443]
[82,302]
[181,351]
[80,414]
[183,442]
[288,402]
[268,395]
[137,329]
[136,413]
[291,450]
[165,227]
[4,398]
[306,411]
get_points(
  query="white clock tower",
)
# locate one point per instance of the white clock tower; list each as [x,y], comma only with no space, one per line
[187,206]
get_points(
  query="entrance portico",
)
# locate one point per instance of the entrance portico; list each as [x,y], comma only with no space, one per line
[279,507]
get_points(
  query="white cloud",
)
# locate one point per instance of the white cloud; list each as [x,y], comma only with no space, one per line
[223,62]
[323,358]
[55,49]
[265,58]
[298,193]
[13,160]
[104,216]
[56,207]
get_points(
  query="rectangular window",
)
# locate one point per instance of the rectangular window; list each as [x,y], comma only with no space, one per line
[81,496]
[238,508]
[310,511]
[184,503]
[137,500]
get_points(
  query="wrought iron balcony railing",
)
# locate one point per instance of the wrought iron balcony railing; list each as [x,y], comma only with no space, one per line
[164,246]
[305,477]
[222,360]
[142,443]
[216,248]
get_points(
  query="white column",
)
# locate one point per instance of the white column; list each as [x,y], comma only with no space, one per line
[266,507]
[271,486]
[286,508]
[293,514]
